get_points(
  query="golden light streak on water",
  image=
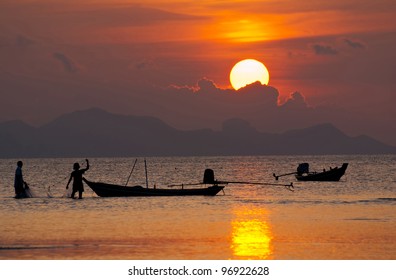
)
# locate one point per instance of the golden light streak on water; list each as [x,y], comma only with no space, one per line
[251,234]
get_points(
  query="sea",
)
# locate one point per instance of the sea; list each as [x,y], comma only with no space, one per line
[353,219]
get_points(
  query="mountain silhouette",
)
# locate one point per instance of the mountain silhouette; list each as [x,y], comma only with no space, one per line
[95,132]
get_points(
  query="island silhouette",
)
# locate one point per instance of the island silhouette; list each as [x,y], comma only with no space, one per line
[96,132]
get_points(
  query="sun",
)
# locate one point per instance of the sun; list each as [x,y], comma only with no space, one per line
[248,71]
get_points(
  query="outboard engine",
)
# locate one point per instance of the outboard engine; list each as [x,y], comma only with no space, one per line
[208,176]
[303,168]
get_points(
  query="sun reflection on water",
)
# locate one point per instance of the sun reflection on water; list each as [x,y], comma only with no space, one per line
[251,234]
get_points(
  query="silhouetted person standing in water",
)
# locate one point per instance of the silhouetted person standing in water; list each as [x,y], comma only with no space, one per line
[76,175]
[19,183]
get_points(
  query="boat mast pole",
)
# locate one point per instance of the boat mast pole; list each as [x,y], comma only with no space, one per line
[145,169]
[131,173]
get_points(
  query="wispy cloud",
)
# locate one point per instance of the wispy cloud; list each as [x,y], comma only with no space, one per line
[354,44]
[321,49]
[292,6]
[66,62]
[23,41]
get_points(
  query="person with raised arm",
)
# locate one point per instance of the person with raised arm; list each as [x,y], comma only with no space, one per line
[77,176]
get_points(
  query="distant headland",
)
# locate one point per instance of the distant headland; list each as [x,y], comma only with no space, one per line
[97,133]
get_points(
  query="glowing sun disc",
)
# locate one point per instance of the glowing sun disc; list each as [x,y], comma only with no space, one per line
[248,71]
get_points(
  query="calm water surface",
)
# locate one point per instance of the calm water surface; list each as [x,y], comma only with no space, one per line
[351,219]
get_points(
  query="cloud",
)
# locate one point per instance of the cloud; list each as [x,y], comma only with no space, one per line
[262,93]
[292,6]
[70,15]
[142,64]
[354,44]
[321,49]
[68,64]
[207,105]
[206,86]
[24,41]
[133,15]
[295,101]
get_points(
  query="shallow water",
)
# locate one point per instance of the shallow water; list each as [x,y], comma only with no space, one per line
[351,219]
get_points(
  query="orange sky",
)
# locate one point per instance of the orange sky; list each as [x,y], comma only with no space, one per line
[73,54]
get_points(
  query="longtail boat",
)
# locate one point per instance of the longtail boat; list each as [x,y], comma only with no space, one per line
[215,186]
[112,190]
[303,173]
[333,174]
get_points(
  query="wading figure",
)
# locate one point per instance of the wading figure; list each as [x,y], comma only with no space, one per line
[19,183]
[76,175]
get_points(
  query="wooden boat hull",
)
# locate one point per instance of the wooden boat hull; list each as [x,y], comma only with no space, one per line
[111,190]
[330,175]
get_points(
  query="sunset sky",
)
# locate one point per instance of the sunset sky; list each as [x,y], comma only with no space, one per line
[328,61]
